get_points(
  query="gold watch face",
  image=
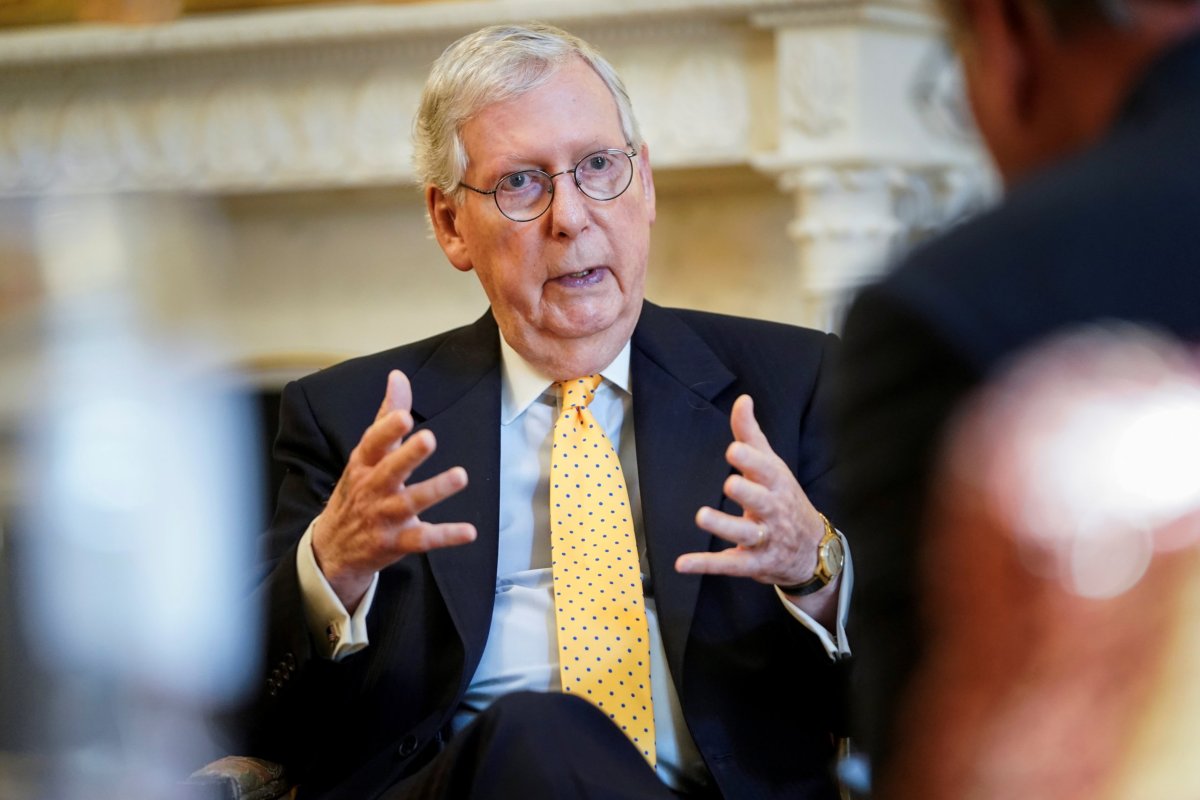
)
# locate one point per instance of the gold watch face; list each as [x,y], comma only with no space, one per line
[833,557]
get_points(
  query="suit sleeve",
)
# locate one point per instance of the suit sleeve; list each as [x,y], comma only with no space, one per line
[897,384]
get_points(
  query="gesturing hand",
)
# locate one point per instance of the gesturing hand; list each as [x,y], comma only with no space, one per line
[778,532]
[372,519]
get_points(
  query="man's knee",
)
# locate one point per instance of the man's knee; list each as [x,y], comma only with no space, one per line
[554,743]
[544,710]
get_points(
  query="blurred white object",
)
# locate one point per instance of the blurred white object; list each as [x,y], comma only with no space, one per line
[139,501]
[1100,463]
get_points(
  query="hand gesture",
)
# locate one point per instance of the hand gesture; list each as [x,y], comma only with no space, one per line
[372,519]
[778,531]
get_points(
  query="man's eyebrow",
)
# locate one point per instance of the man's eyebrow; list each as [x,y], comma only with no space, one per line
[516,162]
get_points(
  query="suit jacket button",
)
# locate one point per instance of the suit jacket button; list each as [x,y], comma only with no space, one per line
[408,745]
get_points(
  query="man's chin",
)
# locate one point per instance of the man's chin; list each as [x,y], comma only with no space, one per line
[569,352]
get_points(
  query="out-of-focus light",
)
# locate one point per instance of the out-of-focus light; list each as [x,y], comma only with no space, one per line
[1096,444]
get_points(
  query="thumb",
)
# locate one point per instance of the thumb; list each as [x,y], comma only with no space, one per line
[398,396]
[745,425]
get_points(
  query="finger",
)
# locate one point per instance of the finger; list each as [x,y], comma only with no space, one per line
[397,466]
[739,530]
[745,425]
[418,497]
[754,498]
[431,536]
[383,436]
[397,396]
[738,563]
[759,465]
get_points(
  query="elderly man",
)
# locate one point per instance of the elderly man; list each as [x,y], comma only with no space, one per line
[575,495]
[1091,109]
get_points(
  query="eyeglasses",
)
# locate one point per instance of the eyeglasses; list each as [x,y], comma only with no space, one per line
[526,195]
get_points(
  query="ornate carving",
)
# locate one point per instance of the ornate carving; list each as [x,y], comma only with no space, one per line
[695,109]
[816,91]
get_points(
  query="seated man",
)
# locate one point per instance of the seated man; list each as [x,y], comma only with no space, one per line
[444,578]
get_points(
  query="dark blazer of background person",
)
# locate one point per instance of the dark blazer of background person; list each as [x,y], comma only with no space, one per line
[1111,233]
[757,689]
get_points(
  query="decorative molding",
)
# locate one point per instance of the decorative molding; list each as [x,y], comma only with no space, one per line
[815,97]
[844,203]
[899,15]
[693,107]
[336,114]
[933,200]
[331,26]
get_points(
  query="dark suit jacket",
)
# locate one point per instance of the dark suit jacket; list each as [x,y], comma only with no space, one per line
[755,687]
[1111,234]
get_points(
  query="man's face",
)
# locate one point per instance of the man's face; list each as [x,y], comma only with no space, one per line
[567,287]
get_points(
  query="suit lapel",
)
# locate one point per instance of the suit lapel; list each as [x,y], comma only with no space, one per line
[456,394]
[681,440]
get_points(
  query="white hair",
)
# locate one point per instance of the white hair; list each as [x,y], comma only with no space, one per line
[490,66]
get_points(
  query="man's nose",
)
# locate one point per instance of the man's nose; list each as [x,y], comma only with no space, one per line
[568,206]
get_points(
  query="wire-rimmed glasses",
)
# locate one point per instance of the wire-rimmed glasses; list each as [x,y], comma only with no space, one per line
[526,195]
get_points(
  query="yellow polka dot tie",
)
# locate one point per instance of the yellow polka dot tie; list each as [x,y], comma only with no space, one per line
[604,646]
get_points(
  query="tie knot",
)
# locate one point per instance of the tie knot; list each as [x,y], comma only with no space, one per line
[578,392]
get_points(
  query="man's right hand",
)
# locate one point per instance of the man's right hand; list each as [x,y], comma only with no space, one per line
[371,521]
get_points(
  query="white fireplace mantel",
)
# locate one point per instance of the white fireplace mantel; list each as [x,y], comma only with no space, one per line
[829,97]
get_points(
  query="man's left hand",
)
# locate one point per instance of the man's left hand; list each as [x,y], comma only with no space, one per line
[778,531]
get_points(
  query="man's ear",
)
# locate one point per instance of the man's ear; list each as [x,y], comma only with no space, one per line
[1010,40]
[646,175]
[443,214]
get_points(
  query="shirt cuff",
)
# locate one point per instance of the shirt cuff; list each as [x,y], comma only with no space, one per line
[836,645]
[335,632]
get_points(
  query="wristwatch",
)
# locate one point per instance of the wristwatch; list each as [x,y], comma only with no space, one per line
[831,558]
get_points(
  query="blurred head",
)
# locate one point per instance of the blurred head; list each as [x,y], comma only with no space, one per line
[566,287]
[1047,77]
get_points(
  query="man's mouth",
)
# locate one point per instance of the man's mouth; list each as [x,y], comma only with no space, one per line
[583,278]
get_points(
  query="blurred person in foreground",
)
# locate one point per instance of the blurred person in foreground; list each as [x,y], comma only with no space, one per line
[1061,577]
[1091,110]
[429,581]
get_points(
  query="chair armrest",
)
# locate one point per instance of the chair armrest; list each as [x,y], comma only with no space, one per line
[242,778]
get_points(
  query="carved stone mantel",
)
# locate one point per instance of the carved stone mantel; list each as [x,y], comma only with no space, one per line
[817,93]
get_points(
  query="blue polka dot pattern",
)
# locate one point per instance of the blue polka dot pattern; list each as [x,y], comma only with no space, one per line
[603,643]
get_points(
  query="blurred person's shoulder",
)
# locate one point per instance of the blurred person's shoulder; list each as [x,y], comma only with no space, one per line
[1109,232]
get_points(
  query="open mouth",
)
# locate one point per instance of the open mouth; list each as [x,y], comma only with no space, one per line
[583,278]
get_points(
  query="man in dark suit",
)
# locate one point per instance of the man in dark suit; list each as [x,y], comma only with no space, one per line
[1091,110]
[414,646]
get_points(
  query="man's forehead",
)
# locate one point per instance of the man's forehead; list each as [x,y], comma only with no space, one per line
[530,125]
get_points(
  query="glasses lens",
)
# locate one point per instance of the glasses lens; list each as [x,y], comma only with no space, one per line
[605,174]
[523,196]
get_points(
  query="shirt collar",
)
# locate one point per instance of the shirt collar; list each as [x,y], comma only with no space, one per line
[522,384]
